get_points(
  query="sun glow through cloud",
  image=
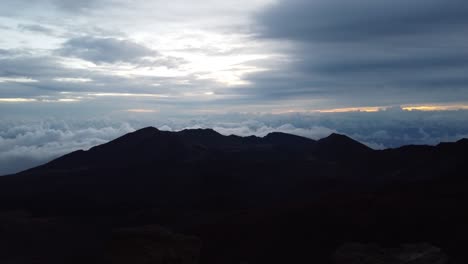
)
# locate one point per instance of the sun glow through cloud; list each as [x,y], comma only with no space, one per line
[352,109]
[73,80]
[143,111]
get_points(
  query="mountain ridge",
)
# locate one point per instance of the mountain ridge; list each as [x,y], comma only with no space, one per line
[188,141]
[275,199]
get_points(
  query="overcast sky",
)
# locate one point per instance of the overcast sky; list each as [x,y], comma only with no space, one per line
[139,63]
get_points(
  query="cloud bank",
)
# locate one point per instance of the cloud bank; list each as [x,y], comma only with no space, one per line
[367,52]
[243,67]
[24,144]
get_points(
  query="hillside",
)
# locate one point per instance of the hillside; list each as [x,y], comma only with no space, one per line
[227,199]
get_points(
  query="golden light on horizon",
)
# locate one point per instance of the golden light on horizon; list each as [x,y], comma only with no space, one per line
[353,109]
[448,107]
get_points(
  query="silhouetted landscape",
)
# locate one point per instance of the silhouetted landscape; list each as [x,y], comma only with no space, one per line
[233,132]
[196,196]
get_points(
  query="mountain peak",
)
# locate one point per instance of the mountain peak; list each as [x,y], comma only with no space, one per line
[200,132]
[130,139]
[141,133]
[149,129]
[277,134]
[338,137]
[285,136]
[288,141]
[341,145]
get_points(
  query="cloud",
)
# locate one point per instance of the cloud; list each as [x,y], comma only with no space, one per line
[351,53]
[187,49]
[105,50]
[315,132]
[192,61]
[17,80]
[338,20]
[35,28]
[27,145]
[16,7]
[28,75]
[30,66]
[4,52]
[74,6]
[16,100]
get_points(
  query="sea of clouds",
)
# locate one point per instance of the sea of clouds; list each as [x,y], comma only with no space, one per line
[28,143]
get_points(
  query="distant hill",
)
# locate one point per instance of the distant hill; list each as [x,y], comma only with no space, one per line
[275,199]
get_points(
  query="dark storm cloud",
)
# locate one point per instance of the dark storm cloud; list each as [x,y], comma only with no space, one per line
[367,52]
[338,20]
[105,50]
[388,64]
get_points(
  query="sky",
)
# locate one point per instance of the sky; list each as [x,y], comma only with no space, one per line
[74,74]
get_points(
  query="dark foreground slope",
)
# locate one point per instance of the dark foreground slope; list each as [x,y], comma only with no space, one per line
[178,197]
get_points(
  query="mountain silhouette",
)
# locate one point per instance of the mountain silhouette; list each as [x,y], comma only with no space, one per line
[280,198]
[341,147]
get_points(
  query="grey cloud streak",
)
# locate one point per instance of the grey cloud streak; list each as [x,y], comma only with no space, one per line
[45,70]
[74,6]
[105,50]
[35,28]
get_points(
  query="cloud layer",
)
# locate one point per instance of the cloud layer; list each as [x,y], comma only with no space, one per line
[250,55]
[368,52]
[24,144]
[243,67]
